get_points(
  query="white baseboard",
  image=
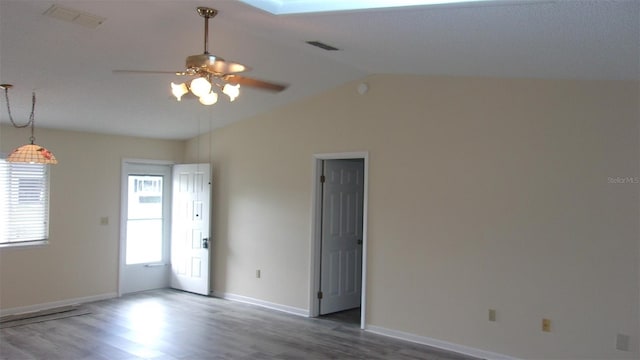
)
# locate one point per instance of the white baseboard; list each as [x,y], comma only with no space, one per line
[460,349]
[266,304]
[55,304]
[444,345]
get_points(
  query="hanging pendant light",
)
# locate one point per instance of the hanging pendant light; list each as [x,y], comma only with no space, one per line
[28,153]
[33,154]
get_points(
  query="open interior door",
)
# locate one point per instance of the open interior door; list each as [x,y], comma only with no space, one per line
[190,228]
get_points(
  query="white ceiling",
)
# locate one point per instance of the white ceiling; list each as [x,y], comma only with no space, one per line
[70,66]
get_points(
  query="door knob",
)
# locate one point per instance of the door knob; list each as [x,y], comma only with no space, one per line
[205,243]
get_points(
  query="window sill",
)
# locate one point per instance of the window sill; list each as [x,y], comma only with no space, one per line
[23,244]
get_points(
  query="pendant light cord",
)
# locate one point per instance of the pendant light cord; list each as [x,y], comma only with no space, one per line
[31,116]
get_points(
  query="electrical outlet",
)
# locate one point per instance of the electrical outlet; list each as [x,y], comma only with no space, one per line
[622,342]
[492,315]
[546,325]
[258,273]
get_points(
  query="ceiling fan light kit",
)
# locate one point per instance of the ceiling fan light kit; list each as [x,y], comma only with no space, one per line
[214,74]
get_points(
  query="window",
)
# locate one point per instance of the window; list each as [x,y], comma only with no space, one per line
[24,203]
[145,222]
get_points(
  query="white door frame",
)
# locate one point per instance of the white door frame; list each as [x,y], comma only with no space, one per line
[123,202]
[316,227]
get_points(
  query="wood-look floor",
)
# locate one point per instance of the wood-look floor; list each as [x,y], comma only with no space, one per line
[168,324]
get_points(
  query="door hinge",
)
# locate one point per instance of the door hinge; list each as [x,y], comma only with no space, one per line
[319,294]
[322,179]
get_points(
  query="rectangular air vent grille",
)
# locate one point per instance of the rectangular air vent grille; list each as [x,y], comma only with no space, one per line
[322,45]
[74,16]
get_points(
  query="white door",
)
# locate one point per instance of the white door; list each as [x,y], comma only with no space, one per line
[146,216]
[190,228]
[341,263]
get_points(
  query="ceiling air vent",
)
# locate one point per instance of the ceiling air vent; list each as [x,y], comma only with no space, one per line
[322,45]
[74,16]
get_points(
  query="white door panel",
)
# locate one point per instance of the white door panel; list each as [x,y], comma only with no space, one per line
[190,250]
[341,253]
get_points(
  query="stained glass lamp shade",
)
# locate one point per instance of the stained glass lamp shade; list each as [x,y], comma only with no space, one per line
[32,153]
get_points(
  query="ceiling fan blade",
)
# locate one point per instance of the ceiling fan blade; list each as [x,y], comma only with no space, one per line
[255,83]
[150,72]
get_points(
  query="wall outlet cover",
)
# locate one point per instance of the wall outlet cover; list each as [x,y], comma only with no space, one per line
[622,342]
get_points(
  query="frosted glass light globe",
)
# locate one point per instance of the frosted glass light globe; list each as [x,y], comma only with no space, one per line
[209,99]
[200,86]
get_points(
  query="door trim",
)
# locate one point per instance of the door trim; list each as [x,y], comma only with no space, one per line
[316,226]
[123,202]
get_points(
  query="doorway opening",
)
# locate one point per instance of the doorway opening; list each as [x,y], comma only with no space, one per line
[339,237]
[145,227]
[164,227]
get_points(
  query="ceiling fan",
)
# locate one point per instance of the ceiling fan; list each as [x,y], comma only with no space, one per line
[212,73]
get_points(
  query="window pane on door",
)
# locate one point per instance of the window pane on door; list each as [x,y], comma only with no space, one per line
[144,219]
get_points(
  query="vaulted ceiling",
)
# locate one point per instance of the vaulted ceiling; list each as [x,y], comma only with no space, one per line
[70,66]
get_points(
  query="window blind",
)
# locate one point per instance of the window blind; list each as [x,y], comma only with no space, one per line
[24,202]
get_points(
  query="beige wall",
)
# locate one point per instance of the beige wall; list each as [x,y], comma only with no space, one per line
[81,259]
[483,194]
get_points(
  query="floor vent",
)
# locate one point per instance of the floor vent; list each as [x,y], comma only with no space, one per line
[9,321]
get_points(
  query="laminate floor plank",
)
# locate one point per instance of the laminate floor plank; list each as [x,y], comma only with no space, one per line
[173,325]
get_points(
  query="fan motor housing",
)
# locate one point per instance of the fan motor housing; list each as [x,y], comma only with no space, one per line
[213,64]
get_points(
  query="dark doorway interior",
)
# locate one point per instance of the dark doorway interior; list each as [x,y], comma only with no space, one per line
[347,317]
